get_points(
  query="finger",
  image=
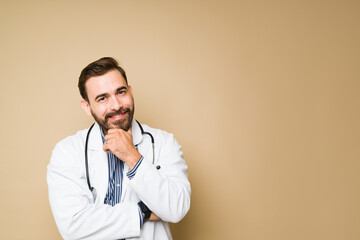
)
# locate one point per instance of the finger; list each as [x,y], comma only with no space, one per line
[114,130]
[105,148]
[154,217]
[112,135]
[107,142]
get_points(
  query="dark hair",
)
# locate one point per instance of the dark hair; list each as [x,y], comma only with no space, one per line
[98,68]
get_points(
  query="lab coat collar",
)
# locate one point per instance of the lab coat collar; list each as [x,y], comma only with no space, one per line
[95,141]
[136,132]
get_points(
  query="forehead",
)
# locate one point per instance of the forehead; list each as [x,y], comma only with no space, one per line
[107,83]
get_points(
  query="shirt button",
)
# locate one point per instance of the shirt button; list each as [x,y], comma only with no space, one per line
[118,185]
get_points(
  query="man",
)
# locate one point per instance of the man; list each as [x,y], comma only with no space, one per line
[126,188]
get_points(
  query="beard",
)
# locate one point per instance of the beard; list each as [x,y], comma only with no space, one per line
[124,123]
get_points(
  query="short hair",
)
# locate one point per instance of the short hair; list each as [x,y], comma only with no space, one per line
[98,68]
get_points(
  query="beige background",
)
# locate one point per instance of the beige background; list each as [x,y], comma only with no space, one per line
[262,95]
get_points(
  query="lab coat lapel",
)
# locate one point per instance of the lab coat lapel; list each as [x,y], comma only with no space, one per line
[136,132]
[98,163]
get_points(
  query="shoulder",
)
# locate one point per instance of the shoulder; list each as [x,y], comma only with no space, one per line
[161,137]
[69,148]
[73,141]
[157,133]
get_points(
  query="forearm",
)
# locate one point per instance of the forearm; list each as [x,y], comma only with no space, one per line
[101,222]
[77,217]
[168,197]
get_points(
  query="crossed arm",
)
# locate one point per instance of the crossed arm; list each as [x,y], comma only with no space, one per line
[165,192]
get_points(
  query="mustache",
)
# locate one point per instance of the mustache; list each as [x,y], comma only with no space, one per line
[120,111]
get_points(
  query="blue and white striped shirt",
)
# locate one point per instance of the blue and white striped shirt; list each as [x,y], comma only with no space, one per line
[115,169]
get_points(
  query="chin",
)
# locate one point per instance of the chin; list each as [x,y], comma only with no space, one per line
[121,124]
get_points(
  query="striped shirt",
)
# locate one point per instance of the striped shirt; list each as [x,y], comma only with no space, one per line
[115,170]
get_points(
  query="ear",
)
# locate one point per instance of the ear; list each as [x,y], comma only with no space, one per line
[85,106]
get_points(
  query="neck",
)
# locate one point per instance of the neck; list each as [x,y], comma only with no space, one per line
[104,131]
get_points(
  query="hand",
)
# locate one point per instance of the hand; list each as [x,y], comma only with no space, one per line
[153,217]
[120,143]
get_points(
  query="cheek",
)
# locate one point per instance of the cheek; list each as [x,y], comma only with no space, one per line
[99,111]
[102,111]
[130,101]
[127,102]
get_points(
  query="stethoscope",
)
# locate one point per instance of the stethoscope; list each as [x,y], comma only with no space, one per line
[92,189]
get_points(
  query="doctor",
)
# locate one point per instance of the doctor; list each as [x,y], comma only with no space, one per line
[129,189]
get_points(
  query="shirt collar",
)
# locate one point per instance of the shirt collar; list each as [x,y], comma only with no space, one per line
[102,135]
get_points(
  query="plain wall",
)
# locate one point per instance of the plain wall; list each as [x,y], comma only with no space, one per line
[262,95]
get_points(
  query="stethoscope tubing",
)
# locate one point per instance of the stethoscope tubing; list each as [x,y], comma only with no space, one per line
[86,158]
[86,154]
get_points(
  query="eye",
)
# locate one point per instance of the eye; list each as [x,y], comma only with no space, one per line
[121,92]
[101,99]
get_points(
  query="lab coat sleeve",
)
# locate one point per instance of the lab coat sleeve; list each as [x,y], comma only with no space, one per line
[165,191]
[72,204]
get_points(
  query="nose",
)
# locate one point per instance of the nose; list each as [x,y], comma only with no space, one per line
[115,104]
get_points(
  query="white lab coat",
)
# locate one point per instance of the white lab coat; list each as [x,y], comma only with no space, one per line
[166,191]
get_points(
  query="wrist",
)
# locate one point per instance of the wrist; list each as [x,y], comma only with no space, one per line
[133,159]
[145,211]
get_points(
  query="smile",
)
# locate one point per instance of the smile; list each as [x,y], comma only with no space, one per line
[117,117]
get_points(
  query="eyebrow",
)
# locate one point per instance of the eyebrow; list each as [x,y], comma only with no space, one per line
[106,94]
[101,95]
